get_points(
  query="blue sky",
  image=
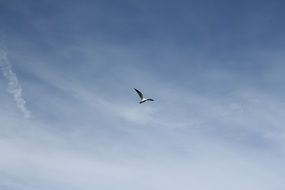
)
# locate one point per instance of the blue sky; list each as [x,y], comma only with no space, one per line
[70,118]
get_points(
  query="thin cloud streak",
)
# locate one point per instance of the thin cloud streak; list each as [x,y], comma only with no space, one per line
[14,87]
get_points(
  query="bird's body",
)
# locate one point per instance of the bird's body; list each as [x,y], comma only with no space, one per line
[142,98]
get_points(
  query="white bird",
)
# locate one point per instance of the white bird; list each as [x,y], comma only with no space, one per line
[142,98]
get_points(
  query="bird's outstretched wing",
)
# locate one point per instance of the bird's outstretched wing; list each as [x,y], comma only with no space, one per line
[149,99]
[139,93]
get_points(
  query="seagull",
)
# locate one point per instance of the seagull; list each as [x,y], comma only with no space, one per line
[142,98]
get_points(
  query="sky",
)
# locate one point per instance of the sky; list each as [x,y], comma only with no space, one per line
[70,119]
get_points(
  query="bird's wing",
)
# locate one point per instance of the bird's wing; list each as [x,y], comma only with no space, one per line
[139,93]
[150,99]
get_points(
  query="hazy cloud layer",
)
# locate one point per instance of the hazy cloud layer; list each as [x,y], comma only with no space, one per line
[215,71]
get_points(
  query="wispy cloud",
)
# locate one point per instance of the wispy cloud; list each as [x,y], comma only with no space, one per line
[14,87]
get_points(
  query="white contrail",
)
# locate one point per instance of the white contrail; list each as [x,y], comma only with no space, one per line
[14,86]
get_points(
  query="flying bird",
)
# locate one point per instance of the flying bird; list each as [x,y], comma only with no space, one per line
[142,98]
